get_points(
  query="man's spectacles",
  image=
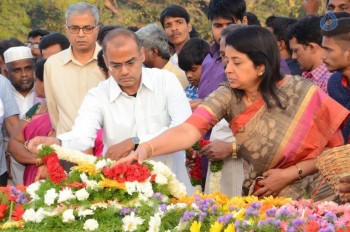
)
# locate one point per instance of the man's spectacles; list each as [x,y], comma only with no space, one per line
[118,66]
[86,29]
[30,44]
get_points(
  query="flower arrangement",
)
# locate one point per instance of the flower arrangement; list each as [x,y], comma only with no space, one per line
[193,164]
[98,195]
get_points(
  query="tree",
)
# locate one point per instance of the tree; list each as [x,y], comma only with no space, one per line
[14,21]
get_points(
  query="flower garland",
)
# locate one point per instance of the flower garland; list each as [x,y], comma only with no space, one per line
[193,164]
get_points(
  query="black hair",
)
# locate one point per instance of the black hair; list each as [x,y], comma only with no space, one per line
[194,33]
[8,43]
[133,28]
[39,69]
[36,33]
[252,19]
[261,48]
[306,30]
[229,9]
[52,39]
[280,26]
[174,11]
[104,31]
[101,62]
[193,53]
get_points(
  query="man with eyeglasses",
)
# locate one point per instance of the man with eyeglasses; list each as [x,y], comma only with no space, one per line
[133,105]
[70,73]
[34,38]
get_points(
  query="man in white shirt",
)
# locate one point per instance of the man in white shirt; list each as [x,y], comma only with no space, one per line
[133,105]
[19,70]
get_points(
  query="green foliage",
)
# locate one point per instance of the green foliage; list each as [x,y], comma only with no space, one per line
[45,150]
[18,17]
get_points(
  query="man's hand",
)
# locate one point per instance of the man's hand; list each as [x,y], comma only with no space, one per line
[216,150]
[142,153]
[195,103]
[41,140]
[120,150]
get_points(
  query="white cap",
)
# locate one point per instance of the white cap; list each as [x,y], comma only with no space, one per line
[17,53]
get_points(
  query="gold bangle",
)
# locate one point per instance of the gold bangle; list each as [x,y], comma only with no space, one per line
[151,146]
[300,172]
[38,162]
[234,150]
[26,145]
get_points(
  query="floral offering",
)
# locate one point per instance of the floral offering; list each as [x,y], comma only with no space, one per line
[98,195]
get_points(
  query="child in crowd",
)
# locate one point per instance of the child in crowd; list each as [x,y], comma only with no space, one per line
[191,57]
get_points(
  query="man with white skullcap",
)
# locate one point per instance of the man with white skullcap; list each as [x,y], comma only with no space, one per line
[19,70]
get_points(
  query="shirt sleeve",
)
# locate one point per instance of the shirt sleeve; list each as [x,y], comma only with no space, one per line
[177,105]
[50,99]
[87,123]
[8,99]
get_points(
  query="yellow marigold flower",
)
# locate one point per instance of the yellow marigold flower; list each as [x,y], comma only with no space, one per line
[239,215]
[12,224]
[195,226]
[278,201]
[184,199]
[216,227]
[230,228]
[87,168]
[250,199]
[107,183]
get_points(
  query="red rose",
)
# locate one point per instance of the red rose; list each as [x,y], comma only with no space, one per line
[3,209]
[17,213]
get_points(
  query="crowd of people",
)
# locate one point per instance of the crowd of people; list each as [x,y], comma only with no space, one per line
[270,99]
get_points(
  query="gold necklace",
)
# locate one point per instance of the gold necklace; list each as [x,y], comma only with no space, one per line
[249,100]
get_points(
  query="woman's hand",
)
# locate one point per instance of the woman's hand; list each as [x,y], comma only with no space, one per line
[34,143]
[275,180]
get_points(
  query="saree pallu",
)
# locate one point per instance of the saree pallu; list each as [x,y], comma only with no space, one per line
[39,125]
[277,138]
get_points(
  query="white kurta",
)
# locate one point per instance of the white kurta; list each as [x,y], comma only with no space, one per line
[160,103]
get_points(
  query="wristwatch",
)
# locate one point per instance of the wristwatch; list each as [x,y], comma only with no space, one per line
[135,141]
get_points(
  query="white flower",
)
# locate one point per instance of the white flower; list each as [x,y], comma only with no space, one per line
[145,188]
[101,164]
[130,222]
[85,212]
[73,156]
[31,189]
[161,179]
[91,184]
[50,196]
[91,224]
[28,215]
[65,195]
[99,205]
[131,187]
[31,216]
[176,188]
[154,223]
[68,216]
[82,194]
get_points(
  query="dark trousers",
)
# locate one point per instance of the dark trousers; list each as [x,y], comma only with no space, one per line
[3,179]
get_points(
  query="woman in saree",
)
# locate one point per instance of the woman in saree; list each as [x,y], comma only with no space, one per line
[281,123]
[36,122]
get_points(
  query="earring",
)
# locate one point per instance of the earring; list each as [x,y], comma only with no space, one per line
[261,73]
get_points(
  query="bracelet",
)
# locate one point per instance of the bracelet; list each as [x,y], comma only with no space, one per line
[300,172]
[39,162]
[151,146]
[234,150]
[26,145]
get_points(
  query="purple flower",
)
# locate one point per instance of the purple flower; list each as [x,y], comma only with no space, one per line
[125,211]
[157,196]
[271,212]
[187,216]
[270,222]
[251,212]
[201,216]
[214,208]
[294,226]
[283,213]
[21,198]
[330,217]
[163,207]
[256,205]
[329,228]
[225,219]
